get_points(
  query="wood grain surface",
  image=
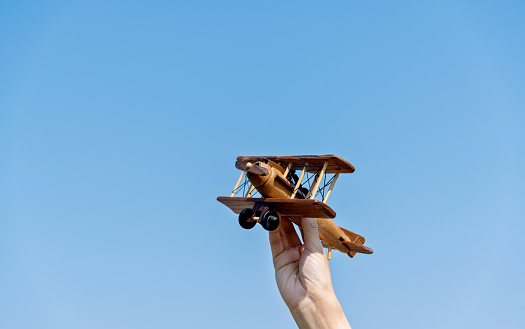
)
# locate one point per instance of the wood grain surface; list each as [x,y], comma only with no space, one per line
[287,207]
[357,247]
[315,162]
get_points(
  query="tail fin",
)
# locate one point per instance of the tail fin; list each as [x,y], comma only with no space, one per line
[354,239]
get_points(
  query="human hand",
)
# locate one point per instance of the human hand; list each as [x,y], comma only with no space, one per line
[303,276]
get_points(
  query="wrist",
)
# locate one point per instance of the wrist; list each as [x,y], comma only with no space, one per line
[325,312]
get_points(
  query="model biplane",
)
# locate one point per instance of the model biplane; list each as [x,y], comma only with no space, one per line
[285,194]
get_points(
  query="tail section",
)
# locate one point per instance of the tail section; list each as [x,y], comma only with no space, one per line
[356,243]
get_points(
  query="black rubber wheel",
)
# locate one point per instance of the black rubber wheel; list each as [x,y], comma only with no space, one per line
[244,219]
[270,220]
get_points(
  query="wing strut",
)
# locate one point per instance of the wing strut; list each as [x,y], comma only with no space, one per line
[250,191]
[331,187]
[298,184]
[287,170]
[238,183]
[314,189]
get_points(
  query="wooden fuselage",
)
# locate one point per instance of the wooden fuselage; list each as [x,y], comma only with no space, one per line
[275,185]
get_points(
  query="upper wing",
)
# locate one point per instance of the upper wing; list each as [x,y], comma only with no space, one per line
[315,162]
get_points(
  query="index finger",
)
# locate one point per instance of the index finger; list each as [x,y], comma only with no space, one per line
[311,235]
[276,244]
[289,236]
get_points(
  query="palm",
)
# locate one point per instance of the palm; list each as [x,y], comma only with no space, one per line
[301,271]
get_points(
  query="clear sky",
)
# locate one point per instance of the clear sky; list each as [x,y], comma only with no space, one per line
[120,122]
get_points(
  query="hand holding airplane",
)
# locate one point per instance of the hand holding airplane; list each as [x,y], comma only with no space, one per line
[286,195]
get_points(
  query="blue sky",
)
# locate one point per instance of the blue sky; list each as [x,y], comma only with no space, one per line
[120,123]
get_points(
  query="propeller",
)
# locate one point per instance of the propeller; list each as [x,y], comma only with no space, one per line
[251,168]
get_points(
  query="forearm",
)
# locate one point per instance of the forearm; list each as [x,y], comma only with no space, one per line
[325,313]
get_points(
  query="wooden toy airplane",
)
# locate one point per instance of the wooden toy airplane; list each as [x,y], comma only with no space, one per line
[284,194]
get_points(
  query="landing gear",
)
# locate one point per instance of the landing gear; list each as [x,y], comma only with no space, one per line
[270,220]
[246,219]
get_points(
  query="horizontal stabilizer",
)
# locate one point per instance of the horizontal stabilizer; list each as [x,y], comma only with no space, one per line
[358,247]
[356,243]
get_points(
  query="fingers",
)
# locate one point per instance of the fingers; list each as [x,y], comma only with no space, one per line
[311,235]
[289,236]
[284,237]
[275,243]
[301,249]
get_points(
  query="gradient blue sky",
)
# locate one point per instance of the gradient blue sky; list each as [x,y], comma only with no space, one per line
[120,122]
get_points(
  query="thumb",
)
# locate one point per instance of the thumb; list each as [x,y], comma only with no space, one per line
[311,235]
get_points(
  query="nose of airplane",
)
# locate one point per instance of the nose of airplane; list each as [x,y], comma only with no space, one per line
[251,168]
